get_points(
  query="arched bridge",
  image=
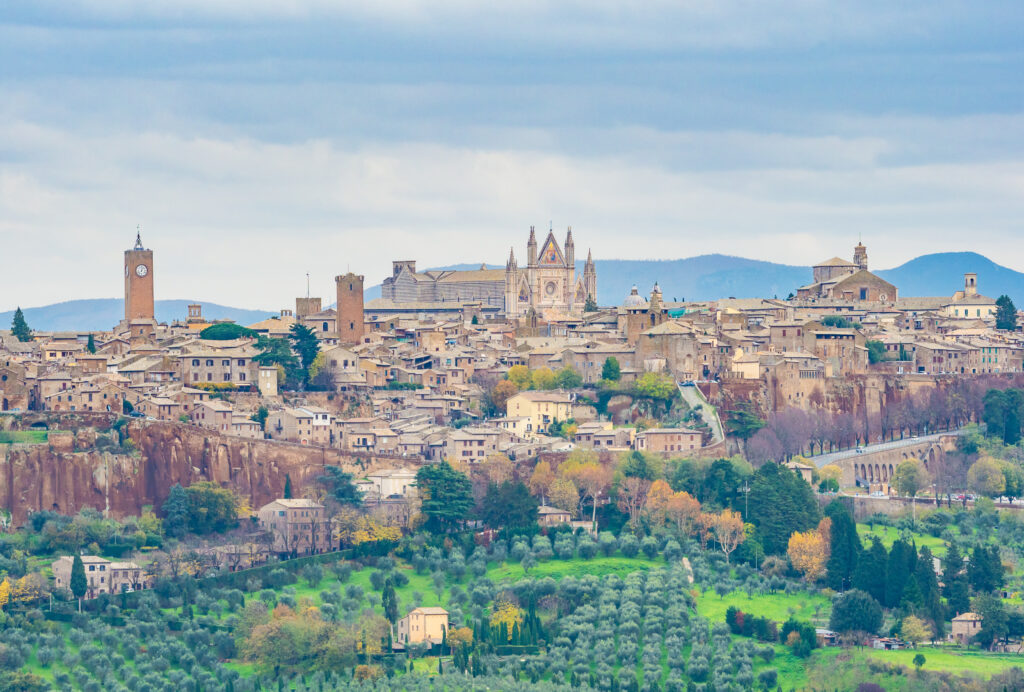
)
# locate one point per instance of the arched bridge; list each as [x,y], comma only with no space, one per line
[877,463]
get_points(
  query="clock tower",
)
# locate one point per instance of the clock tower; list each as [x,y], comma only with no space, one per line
[138,282]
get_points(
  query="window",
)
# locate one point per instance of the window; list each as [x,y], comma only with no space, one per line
[209,363]
[226,363]
[195,362]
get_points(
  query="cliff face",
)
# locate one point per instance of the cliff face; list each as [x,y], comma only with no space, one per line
[52,477]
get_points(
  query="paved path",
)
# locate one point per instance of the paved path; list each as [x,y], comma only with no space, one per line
[693,397]
[823,459]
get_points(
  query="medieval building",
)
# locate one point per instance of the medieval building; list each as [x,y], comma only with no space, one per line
[548,284]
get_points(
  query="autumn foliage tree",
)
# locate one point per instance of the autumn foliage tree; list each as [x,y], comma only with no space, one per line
[683,509]
[728,531]
[809,550]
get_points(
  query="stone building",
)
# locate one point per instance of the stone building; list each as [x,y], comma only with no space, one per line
[837,279]
[547,284]
[422,625]
[297,526]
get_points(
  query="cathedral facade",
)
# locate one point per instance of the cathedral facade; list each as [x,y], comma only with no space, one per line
[548,283]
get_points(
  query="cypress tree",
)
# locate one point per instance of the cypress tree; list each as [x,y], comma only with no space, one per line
[287,486]
[79,584]
[90,345]
[845,547]
[896,573]
[870,575]
[19,327]
[954,580]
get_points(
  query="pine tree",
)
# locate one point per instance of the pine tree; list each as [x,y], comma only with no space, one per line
[1006,313]
[287,486]
[19,327]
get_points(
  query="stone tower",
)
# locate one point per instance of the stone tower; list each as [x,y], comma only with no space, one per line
[511,284]
[590,277]
[304,307]
[570,268]
[970,284]
[860,257]
[350,308]
[138,282]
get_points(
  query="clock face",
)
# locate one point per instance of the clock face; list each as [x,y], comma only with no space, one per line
[141,270]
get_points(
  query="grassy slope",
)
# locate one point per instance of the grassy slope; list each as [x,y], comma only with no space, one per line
[23,436]
[888,535]
[779,607]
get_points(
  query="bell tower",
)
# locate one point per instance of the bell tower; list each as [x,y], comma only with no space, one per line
[138,282]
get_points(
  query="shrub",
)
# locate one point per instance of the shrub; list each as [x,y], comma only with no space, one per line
[629,545]
[649,546]
[313,574]
[769,678]
[606,540]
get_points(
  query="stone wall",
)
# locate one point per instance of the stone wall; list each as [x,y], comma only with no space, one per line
[42,477]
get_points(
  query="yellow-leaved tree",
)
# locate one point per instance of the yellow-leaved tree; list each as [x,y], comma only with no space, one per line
[658,498]
[808,550]
[508,614]
[5,593]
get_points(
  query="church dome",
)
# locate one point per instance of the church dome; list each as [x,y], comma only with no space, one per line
[634,299]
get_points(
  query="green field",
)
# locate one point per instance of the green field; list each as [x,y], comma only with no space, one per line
[779,606]
[23,436]
[888,535]
[557,569]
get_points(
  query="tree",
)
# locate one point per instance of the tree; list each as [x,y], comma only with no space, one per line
[19,327]
[287,486]
[955,586]
[855,612]
[446,496]
[565,495]
[728,530]
[541,479]
[501,393]
[592,479]
[656,385]
[90,345]
[261,415]
[278,351]
[683,509]
[590,305]
[870,574]
[743,422]
[915,630]
[781,502]
[1006,313]
[985,569]
[519,375]
[656,507]
[919,661]
[808,553]
[610,370]
[389,602]
[568,378]
[994,619]
[876,350]
[306,344]
[632,493]
[899,566]
[226,331]
[844,547]
[509,505]
[985,477]
[176,511]
[79,584]
[543,379]
[339,486]
[909,479]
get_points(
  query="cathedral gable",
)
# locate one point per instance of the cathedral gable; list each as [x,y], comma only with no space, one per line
[551,254]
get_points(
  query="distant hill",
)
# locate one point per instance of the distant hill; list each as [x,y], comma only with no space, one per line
[707,277]
[704,277]
[99,314]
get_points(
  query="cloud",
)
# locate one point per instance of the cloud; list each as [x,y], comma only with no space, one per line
[240,221]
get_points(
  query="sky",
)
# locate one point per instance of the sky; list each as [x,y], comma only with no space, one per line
[256,141]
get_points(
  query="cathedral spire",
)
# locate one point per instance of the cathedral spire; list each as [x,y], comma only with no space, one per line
[511,259]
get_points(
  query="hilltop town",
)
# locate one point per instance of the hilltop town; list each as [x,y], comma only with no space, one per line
[808,458]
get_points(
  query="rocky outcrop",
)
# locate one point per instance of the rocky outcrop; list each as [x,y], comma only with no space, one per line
[42,477]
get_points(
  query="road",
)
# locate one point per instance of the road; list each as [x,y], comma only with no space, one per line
[693,397]
[832,457]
